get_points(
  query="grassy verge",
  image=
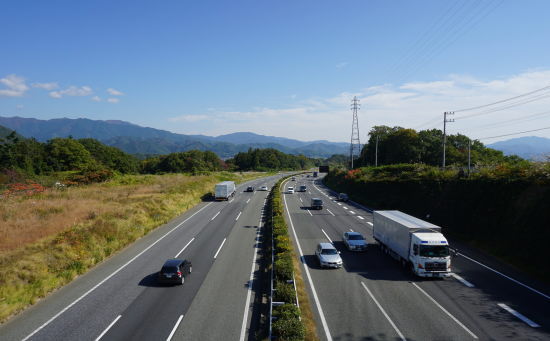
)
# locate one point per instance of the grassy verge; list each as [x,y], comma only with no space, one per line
[290,322]
[49,239]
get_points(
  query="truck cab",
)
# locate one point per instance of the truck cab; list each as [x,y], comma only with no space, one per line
[429,254]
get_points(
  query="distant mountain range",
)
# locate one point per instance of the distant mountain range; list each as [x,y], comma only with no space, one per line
[529,147]
[135,139]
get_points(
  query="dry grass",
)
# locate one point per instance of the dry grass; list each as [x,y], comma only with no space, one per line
[48,239]
[308,319]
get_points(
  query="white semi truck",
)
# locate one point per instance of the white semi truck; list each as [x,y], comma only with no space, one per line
[224,190]
[417,244]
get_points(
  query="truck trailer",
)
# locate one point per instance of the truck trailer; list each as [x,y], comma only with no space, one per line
[224,190]
[417,244]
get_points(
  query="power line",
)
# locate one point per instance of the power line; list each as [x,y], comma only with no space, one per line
[524,119]
[542,96]
[504,100]
[520,132]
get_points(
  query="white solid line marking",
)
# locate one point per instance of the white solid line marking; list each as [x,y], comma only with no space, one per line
[214,217]
[216,255]
[174,329]
[250,286]
[248,200]
[368,222]
[315,297]
[238,216]
[330,212]
[518,315]
[503,275]
[360,217]
[446,312]
[185,247]
[326,235]
[462,280]
[108,277]
[351,212]
[384,312]
[308,211]
[107,329]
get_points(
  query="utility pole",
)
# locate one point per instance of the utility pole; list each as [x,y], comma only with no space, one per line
[445,121]
[355,146]
[469,155]
[376,153]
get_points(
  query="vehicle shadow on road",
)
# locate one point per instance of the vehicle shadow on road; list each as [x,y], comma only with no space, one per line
[151,281]
[207,197]
[312,262]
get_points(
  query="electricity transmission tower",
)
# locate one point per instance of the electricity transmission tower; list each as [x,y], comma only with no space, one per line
[445,121]
[355,146]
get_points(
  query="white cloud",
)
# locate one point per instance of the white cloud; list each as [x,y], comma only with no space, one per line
[113,100]
[96,99]
[418,105]
[72,91]
[46,86]
[114,92]
[15,86]
[188,118]
[341,65]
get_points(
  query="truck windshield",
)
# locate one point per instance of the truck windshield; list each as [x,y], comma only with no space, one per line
[434,250]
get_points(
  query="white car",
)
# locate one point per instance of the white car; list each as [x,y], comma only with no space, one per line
[290,190]
[355,241]
[263,188]
[328,256]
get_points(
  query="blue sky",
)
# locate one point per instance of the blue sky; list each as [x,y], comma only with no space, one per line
[284,68]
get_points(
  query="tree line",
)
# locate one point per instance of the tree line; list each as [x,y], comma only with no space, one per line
[92,160]
[397,145]
[271,159]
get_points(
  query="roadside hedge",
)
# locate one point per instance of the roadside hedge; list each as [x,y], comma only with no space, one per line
[287,324]
[501,210]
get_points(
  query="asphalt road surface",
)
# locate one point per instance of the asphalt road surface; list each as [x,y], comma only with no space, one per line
[373,298]
[121,300]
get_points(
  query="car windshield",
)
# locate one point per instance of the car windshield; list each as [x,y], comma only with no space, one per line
[169,269]
[329,252]
[434,250]
[355,237]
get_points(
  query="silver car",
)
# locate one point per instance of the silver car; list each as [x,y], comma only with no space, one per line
[328,256]
[355,241]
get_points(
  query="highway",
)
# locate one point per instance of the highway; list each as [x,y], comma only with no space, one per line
[373,298]
[120,299]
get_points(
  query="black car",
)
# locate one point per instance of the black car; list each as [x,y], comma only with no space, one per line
[174,271]
[250,189]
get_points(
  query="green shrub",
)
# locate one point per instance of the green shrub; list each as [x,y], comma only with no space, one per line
[284,292]
[289,329]
[286,311]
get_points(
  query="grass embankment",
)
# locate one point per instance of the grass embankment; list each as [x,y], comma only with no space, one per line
[502,210]
[48,239]
[292,323]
